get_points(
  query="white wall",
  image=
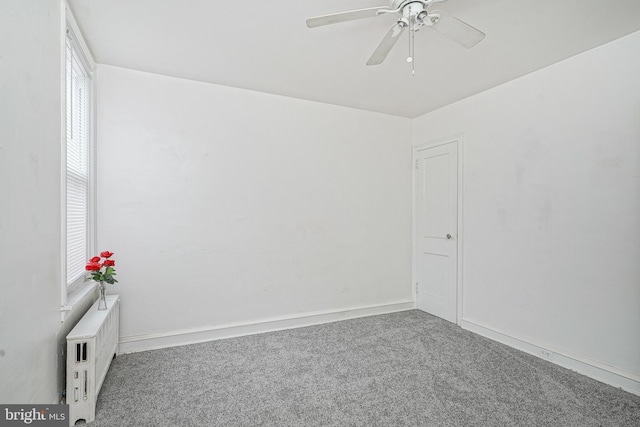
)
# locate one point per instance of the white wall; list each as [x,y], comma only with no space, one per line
[32,337]
[552,205]
[30,61]
[225,205]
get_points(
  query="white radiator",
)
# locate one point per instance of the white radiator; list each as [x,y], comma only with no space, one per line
[91,346]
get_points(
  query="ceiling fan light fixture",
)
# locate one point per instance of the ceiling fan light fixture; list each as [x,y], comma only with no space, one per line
[413,16]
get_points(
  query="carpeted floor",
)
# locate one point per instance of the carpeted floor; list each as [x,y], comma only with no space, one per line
[400,369]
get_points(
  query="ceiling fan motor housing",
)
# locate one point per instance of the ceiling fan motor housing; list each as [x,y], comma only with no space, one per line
[399,4]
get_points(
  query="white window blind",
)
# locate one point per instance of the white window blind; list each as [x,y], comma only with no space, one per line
[78,85]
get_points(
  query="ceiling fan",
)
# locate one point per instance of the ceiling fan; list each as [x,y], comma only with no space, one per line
[413,16]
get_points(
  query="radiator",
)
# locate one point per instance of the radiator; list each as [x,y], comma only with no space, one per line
[91,346]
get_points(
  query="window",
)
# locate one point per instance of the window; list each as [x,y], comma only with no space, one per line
[78,177]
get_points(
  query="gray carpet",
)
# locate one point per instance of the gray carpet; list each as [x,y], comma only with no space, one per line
[400,369]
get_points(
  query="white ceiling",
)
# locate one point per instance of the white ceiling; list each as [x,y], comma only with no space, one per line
[265,46]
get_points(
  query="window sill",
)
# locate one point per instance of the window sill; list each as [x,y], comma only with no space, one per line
[77,296]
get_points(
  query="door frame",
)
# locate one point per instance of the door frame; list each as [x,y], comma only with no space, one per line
[458,140]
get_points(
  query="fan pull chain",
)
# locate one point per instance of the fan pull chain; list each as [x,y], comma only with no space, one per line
[410,59]
[413,48]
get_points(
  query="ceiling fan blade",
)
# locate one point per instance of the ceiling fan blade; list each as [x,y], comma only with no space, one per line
[335,18]
[387,43]
[456,30]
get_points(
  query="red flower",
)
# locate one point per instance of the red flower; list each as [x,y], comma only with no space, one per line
[93,266]
[109,263]
[94,260]
[106,254]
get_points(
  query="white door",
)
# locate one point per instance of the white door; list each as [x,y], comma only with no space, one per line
[437,230]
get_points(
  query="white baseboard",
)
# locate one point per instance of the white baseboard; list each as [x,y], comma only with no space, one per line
[136,343]
[598,371]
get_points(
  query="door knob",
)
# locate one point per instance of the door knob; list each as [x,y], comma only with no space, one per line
[448,236]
